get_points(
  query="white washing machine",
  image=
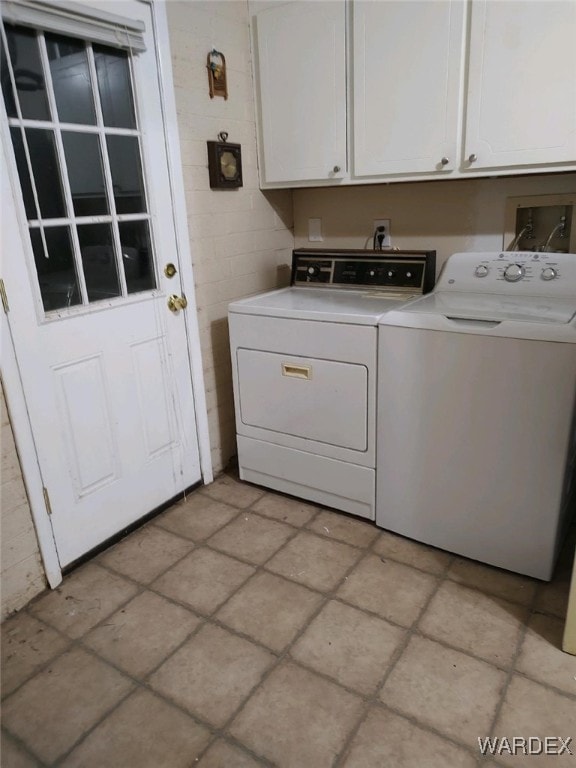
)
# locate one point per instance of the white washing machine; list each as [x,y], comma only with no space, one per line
[304,363]
[476,418]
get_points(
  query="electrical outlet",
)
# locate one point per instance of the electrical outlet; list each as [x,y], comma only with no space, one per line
[387,242]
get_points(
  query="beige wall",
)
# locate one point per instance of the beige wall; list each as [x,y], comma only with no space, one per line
[447,216]
[241,240]
[22,574]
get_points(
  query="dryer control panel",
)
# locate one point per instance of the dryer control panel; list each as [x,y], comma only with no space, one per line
[399,271]
[521,273]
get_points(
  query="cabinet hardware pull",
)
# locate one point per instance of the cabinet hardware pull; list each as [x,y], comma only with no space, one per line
[472,158]
[297,371]
[445,160]
[336,169]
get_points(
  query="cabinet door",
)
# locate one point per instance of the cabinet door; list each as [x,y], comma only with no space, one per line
[407,62]
[522,84]
[301,74]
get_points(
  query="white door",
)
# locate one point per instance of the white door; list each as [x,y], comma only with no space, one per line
[301,77]
[521,107]
[87,231]
[407,72]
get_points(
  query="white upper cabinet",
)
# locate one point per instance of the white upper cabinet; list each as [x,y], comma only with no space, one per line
[301,82]
[407,60]
[521,108]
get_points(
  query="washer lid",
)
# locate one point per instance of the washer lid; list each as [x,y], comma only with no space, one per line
[323,304]
[495,308]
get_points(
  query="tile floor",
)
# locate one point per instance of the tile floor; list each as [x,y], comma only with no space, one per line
[244,628]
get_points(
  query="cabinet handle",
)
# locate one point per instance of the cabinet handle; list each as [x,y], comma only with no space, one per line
[445,160]
[336,169]
[472,158]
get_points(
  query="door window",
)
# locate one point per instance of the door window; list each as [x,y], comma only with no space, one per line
[77,145]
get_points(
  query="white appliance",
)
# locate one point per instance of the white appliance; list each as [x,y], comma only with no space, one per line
[304,363]
[476,418]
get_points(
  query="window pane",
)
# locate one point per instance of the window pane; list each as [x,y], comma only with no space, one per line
[115,87]
[137,256]
[71,80]
[25,57]
[56,274]
[84,165]
[126,174]
[98,260]
[46,172]
[25,183]
[7,91]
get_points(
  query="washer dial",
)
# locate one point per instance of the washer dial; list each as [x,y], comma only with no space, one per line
[481,270]
[513,273]
[548,273]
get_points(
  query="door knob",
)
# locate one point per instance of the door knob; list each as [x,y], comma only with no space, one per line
[176,303]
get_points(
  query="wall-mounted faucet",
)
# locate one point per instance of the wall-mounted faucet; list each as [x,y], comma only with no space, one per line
[559,229]
[527,233]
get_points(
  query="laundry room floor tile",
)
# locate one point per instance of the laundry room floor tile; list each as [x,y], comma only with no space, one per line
[390,545]
[203,580]
[343,528]
[232,491]
[197,518]
[142,633]
[286,509]
[349,646]
[541,656]
[480,624]
[297,719]
[145,554]
[494,581]
[212,673]
[27,644]
[270,609]
[53,710]
[14,755]
[251,537]
[532,710]
[314,561]
[83,599]
[244,628]
[445,689]
[387,739]
[407,590]
[166,737]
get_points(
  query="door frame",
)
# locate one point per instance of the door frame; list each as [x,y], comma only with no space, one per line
[9,370]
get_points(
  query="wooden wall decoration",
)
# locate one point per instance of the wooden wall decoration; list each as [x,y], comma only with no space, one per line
[216,66]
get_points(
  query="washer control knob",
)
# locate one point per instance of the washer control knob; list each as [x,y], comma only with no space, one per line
[513,273]
[391,273]
[313,270]
[372,273]
[548,273]
[481,270]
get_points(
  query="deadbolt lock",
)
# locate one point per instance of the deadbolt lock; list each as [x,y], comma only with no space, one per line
[176,303]
[170,270]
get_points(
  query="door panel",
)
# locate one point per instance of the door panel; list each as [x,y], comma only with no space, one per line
[104,363]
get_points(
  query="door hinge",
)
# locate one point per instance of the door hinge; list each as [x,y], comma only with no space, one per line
[4,296]
[47,501]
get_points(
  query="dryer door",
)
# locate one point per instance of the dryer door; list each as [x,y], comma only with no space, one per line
[310,398]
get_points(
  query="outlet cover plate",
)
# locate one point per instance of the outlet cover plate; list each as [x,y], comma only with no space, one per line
[387,242]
